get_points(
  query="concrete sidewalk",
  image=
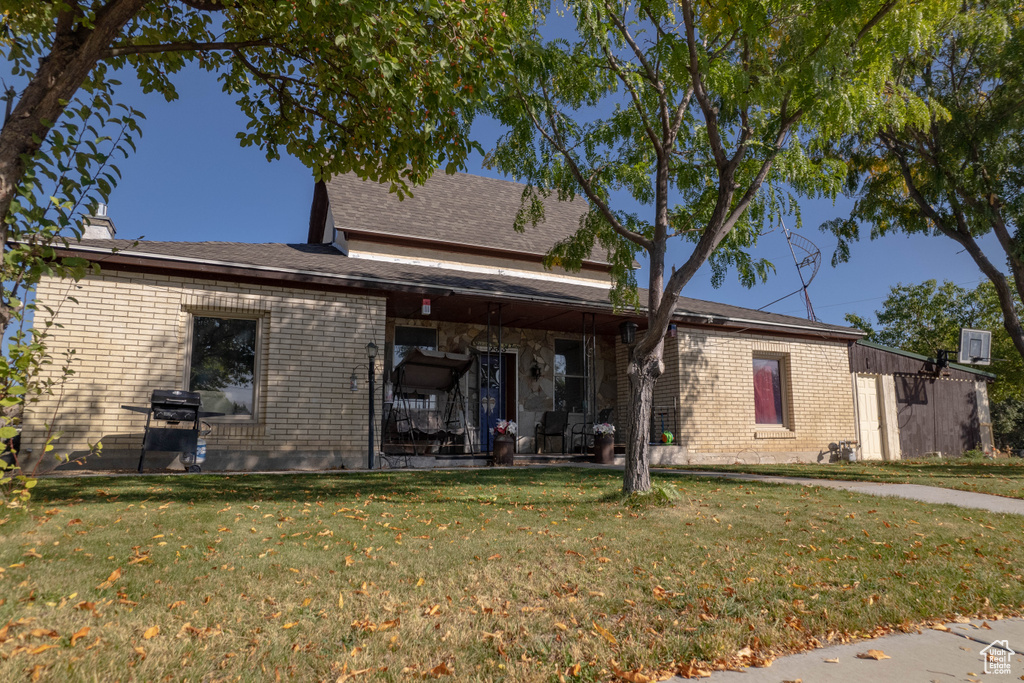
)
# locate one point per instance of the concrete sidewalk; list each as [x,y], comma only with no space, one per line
[925,494]
[954,655]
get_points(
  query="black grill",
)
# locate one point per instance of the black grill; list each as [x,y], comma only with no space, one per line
[174,405]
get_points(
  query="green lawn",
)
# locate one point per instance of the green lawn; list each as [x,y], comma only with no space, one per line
[494,575]
[997,477]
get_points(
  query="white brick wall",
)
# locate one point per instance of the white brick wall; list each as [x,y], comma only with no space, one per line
[129,332]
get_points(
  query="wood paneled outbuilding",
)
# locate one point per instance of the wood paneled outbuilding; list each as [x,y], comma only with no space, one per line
[909,406]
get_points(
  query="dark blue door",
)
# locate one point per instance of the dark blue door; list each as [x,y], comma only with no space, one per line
[492,397]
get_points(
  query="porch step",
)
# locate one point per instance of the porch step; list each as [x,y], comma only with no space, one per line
[551,458]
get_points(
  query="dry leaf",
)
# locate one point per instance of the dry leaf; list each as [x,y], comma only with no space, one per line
[41,648]
[37,672]
[82,633]
[441,670]
[560,626]
[833,661]
[420,582]
[940,627]
[632,676]
[114,576]
[290,624]
[140,652]
[151,632]
[176,604]
[341,600]
[605,634]
[43,633]
[873,654]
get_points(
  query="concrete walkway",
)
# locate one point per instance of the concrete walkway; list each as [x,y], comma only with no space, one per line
[931,656]
[926,494]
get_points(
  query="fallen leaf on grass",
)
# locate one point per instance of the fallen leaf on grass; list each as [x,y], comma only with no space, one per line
[41,648]
[37,672]
[151,632]
[605,634]
[560,626]
[632,676]
[176,604]
[441,670]
[43,633]
[290,624]
[420,582]
[873,654]
[140,652]
[114,576]
[341,600]
[82,633]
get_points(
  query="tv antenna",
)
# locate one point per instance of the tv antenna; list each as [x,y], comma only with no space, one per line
[807,258]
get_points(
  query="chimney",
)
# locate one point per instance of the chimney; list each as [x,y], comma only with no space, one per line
[99,226]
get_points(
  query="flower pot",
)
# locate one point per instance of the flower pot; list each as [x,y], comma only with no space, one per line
[504,447]
[604,449]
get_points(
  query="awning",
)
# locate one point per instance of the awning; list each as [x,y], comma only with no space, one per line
[431,370]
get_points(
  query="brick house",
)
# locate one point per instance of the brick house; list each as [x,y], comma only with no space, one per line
[274,336]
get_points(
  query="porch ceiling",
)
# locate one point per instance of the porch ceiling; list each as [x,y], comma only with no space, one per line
[462,308]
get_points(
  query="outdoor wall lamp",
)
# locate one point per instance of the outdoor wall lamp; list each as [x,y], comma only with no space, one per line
[535,370]
[628,332]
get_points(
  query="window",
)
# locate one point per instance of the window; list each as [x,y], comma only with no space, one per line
[569,388]
[222,364]
[769,408]
[409,338]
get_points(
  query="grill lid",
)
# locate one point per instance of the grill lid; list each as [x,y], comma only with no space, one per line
[175,398]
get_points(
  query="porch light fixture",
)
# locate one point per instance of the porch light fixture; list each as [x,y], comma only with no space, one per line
[535,370]
[371,353]
[353,382]
[628,332]
[672,330]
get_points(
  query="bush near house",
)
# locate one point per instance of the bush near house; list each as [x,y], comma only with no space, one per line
[510,575]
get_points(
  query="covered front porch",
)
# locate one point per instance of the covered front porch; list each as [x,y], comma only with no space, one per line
[550,369]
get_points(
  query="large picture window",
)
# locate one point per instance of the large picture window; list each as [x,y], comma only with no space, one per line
[769,407]
[569,389]
[409,338]
[222,364]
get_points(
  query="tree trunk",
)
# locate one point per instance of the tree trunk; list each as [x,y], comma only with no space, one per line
[76,49]
[643,373]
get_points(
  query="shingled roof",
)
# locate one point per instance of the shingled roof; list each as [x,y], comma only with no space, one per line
[458,209]
[299,265]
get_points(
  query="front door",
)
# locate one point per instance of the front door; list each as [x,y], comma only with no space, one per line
[497,394]
[870,418]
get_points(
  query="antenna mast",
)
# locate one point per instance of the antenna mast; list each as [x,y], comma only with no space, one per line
[811,261]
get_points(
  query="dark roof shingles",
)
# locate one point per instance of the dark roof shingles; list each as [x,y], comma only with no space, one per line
[453,209]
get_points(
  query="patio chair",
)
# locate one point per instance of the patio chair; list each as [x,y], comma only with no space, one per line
[582,434]
[552,423]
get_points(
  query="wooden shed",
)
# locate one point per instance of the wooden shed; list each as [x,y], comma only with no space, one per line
[908,406]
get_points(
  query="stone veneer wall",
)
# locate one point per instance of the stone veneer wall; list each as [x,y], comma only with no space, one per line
[711,373]
[534,395]
[129,334]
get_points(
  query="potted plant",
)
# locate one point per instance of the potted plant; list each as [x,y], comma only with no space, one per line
[504,442]
[604,443]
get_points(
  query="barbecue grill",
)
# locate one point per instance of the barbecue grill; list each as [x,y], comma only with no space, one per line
[179,411]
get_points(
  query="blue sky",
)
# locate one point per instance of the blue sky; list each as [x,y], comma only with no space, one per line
[190,180]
